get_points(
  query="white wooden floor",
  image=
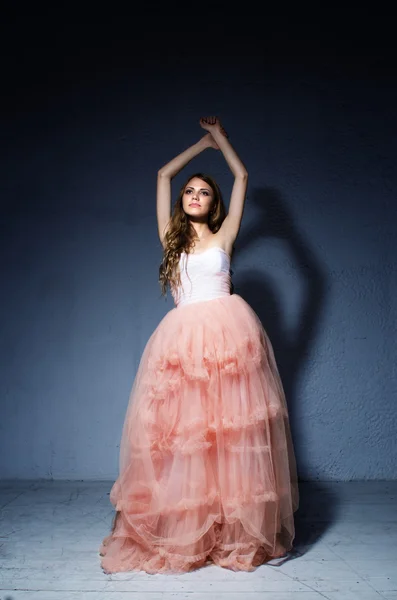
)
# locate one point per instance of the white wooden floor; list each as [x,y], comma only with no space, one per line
[50,531]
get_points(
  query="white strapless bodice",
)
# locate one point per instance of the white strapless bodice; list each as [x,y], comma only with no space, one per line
[204,276]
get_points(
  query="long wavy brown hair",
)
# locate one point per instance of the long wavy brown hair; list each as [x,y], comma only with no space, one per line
[181,234]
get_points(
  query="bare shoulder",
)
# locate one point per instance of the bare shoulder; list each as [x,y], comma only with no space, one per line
[224,241]
[163,233]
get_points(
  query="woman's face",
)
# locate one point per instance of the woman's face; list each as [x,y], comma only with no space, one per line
[197,199]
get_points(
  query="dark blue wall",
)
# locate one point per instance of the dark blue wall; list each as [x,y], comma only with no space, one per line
[89,114]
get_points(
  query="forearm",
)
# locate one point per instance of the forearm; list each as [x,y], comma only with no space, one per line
[177,163]
[233,160]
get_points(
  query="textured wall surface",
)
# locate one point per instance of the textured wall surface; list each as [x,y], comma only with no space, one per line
[316,255]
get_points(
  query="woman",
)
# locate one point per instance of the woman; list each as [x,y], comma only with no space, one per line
[207,467]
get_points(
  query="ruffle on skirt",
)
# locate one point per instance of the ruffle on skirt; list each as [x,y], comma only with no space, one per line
[207,467]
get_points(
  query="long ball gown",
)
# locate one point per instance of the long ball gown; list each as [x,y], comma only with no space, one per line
[207,469]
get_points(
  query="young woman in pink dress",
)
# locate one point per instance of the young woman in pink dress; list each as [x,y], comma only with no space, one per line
[207,468]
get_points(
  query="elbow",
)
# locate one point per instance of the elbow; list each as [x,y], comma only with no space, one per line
[242,174]
[162,173]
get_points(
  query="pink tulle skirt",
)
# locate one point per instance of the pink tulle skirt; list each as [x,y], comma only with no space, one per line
[207,467]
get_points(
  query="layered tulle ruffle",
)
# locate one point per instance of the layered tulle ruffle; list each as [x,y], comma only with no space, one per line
[207,469]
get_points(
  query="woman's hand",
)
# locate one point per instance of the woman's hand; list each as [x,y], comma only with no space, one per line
[212,123]
[210,142]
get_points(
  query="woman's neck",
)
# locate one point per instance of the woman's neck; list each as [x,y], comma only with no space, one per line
[202,232]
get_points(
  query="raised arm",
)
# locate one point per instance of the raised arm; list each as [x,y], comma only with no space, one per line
[167,172]
[231,225]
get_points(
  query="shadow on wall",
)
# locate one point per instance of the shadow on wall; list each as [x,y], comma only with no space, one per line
[292,348]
